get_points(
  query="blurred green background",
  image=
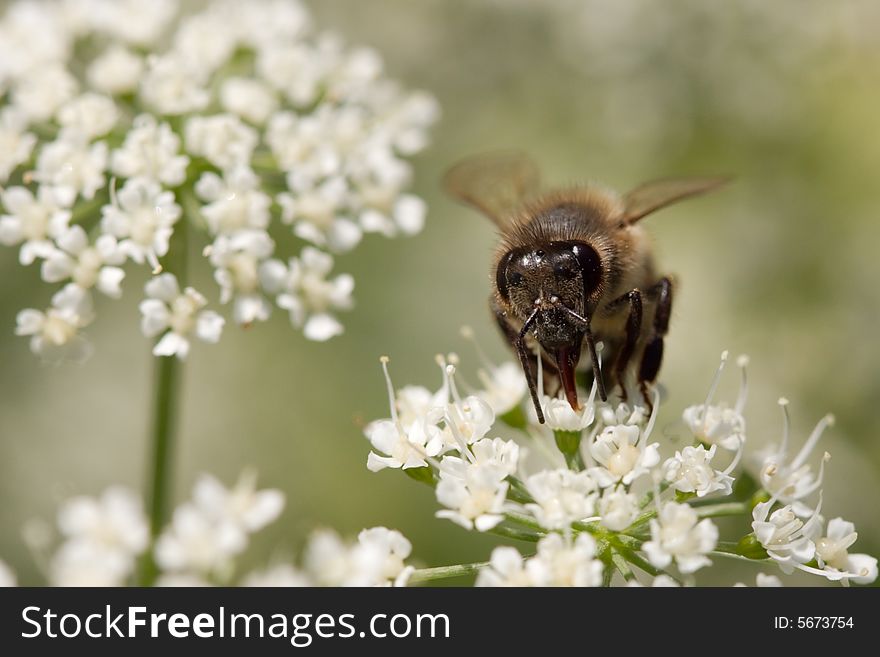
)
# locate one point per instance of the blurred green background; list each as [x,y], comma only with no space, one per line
[782,265]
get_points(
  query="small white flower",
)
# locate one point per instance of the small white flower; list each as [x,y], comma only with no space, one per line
[506,568]
[792,481]
[788,540]
[317,215]
[250,99]
[504,387]
[497,452]
[235,201]
[561,562]
[391,549]
[678,534]
[402,445]
[377,559]
[561,497]
[173,86]
[16,144]
[833,555]
[55,334]
[282,575]
[114,520]
[151,150]
[7,577]
[405,213]
[691,471]
[621,455]
[243,505]
[33,222]
[176,315]
[116,71]
[143,219]
[40,93]
[102,538]
[222,139]
[72,167]
[206,40]
[310,297]
[762,580]
[618,509]
[473,493]
[134,22]
[239,261]
[720,425]
[196,542]
[86,265]
[90,115]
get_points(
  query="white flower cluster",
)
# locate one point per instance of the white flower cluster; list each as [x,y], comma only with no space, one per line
[101,540]
[591,489]
[124,125]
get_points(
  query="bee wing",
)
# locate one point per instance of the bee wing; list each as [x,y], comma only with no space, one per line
[652,196]
[496,184]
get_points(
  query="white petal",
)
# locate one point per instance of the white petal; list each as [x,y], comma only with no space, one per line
[56,267]
[409,213]
[155,318]
[344,235]
[172,344]
[209,326]
[322,327]
[74,240]
[29,321]
[110,281]
[163,287]
[266,508]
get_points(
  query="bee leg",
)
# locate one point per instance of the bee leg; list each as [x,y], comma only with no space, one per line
[653,353]
[527,360]
[633,330]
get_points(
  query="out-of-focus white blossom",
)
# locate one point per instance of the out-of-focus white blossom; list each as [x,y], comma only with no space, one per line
[678,535]
[101,539]
[55,334]
[176,315]
[617,508]
[561,497]
[33,222]
[230,120]
[7,577]
[563,562]
[376,559]
[310,297]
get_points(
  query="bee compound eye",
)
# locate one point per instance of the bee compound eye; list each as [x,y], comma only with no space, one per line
[515,278]
[564,271]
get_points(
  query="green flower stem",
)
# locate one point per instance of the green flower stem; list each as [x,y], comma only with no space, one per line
[165,412]
[738,557]
[445,572]
[518,491]
[517,534]
[622,566]
[165,416]
[524,521]
[723,509]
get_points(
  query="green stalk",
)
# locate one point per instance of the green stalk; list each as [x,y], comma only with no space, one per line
[445,572]
[165,418]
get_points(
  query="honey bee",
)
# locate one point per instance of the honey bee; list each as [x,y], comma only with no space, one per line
[573,268]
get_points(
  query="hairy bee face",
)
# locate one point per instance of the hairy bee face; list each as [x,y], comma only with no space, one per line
[550,278]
